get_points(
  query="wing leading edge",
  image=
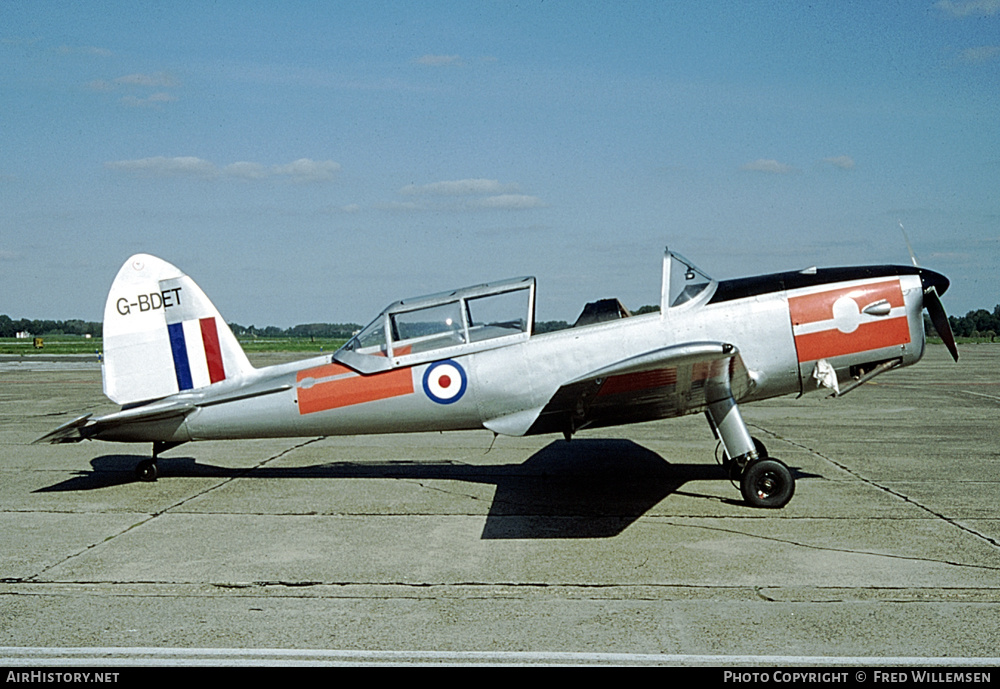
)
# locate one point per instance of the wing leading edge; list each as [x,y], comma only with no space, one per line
[662,383]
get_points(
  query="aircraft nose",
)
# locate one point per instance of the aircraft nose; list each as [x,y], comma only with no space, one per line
[930,278]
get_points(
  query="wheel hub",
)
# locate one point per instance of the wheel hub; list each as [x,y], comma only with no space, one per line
[766,486]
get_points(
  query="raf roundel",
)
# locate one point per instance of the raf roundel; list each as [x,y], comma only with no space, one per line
[445,382]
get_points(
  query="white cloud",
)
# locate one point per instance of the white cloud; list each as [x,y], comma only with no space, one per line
[84,50]
[509,202]
[302,170]
[149,101]
[306,170]
[439,60]
[245,170]
[401,206]
[972,7]
[482,193]
[460,187]
[843,162]
[100,85]
[134,83]
[768,165]
[980,55]
[161,166]
[157,80]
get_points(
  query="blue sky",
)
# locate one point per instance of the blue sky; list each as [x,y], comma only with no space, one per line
[314,161]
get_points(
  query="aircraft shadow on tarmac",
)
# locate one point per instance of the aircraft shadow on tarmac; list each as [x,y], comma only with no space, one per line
[585,488]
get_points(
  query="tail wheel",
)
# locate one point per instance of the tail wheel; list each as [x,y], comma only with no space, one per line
[767,483]
[146,470]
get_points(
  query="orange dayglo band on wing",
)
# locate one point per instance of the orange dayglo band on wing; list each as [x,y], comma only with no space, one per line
[659,378]
[645,380]
[332,386]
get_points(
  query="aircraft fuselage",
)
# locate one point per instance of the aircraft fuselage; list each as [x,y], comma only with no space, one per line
[781,325]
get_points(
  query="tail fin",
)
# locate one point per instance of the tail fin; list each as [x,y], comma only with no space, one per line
[163,335]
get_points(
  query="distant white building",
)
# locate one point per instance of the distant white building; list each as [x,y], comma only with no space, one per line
[23,335]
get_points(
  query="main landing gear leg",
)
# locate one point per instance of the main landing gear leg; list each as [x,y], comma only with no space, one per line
[764,481]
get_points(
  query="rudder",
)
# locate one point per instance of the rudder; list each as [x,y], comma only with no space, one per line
[163,335]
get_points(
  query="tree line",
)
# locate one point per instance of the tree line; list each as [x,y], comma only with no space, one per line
[10,327]
[333,331]
[979,323]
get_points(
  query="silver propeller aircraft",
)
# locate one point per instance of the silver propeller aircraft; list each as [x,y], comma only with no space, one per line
[469,359]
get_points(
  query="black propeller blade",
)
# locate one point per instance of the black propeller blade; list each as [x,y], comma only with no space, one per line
[934,284]
[935,309]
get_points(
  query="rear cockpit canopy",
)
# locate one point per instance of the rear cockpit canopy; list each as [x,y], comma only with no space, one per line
[427,328]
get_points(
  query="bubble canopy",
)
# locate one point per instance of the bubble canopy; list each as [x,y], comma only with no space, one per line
[411,331]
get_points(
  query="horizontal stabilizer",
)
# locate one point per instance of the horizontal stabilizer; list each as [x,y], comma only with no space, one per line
[69,432]
[116,426]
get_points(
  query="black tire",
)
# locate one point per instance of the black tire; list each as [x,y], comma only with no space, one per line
[146,470]
[767,483]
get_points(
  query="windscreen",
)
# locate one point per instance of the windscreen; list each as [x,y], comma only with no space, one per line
[686,281]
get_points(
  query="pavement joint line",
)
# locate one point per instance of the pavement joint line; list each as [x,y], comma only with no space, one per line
[247,471]
[833,550]
[980,394]
[35,577]
[155,515]
[508,591]
[905,498]
[225,480]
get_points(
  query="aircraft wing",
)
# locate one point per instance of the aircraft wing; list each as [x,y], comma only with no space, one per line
[662,383]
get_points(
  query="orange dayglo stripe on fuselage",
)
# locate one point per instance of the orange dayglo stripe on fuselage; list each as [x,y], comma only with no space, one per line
[348,388]
[868,336]
[818,306]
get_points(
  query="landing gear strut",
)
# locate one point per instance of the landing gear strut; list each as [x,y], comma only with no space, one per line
[734,469]
[764,481]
